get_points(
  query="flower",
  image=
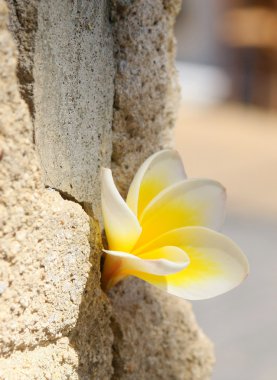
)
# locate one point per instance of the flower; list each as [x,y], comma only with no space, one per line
[163,233]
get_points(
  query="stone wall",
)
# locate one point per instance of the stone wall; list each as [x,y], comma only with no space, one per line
[146,89]
[91,92]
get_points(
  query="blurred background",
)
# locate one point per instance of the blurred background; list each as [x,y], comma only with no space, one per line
[227,130]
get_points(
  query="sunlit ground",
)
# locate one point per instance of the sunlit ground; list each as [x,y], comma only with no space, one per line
[238,146]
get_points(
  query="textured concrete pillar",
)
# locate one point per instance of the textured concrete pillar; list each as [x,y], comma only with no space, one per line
[74,73]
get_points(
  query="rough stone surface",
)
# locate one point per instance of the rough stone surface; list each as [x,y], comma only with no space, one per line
[23,23]
[146,89]
[74,73]
[56,361]
[44,240]
[49,269]
[55,322]
[92,336]
[156,336]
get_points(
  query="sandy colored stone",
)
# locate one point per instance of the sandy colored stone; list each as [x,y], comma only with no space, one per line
[156,336]
[74,73]
[146,89]
[61,363]
[23,23]
[49,265]
[44,266]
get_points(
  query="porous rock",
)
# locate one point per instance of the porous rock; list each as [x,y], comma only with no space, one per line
[23,23]
[74,73]
[156,336]
[47,258]
[146,89]
[56,360]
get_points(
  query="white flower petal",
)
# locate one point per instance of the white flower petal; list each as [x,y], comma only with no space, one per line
[217,265]
[121,225]
[161,261]
[159,171]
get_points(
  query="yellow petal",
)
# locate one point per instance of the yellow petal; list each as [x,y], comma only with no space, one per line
[216,264]
[194,202]
[159,171]
[121,225]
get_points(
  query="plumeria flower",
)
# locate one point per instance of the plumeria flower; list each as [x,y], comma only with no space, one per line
[164,232]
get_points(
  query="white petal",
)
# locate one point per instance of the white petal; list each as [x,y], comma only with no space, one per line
[121,225]
[161,261]
[159,171]
[217,264]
